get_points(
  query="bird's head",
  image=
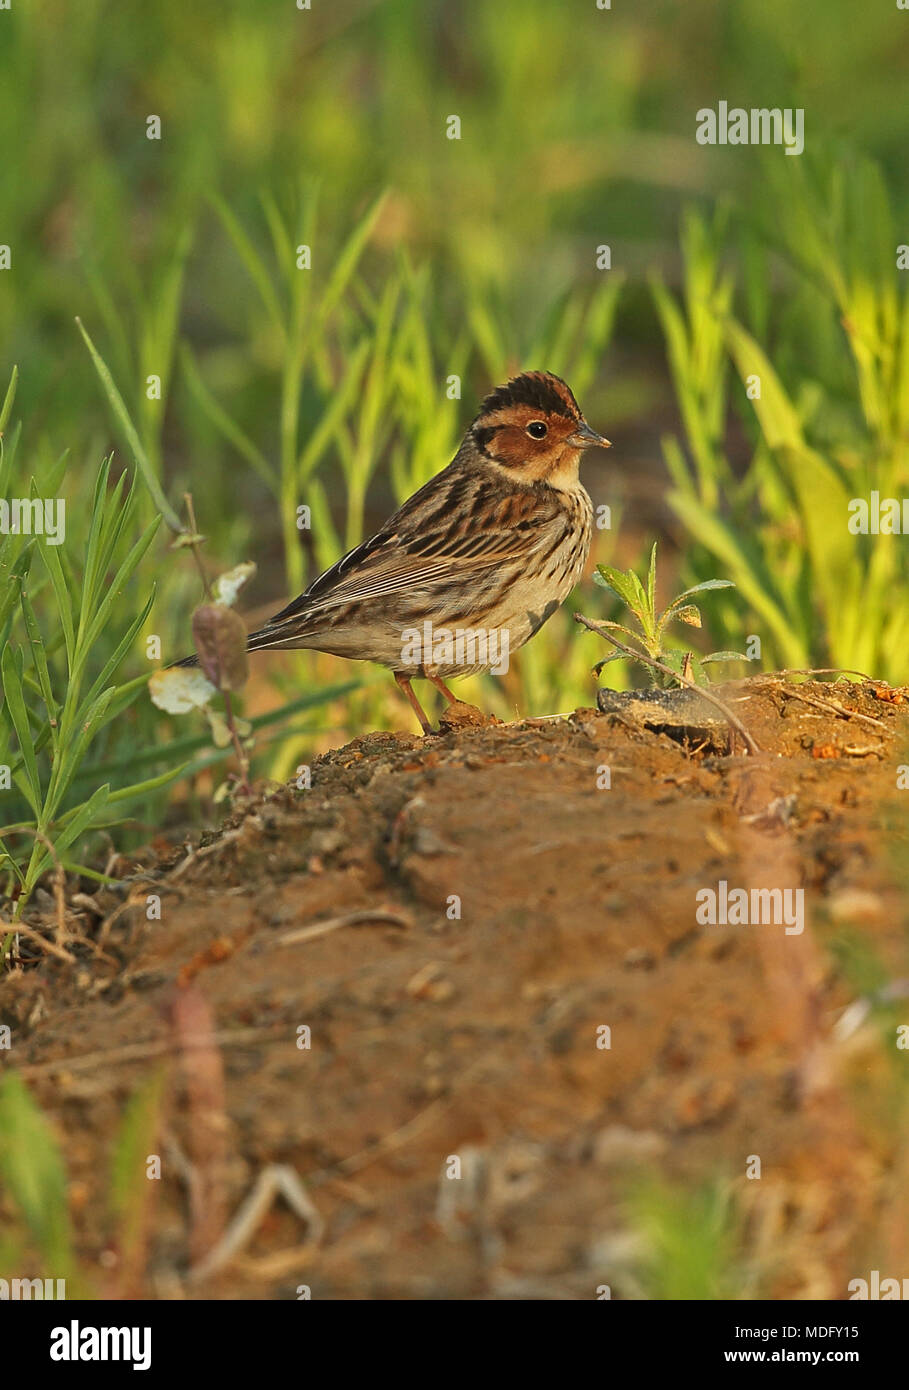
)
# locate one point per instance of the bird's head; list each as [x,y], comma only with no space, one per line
[533,427]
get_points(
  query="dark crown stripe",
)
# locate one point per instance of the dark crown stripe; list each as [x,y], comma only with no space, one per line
[540,390]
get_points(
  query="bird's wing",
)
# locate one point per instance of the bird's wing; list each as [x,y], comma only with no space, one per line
[454,526]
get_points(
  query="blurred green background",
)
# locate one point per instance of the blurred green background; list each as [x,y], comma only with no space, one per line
[431,257]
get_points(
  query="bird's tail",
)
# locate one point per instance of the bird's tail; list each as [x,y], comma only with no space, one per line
[269,636]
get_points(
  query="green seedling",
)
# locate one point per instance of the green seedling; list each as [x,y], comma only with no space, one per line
[650,633]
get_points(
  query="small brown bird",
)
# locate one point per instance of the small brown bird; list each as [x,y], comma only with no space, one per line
[485,552]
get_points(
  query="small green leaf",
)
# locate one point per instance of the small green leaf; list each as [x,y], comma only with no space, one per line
[620,583]
[616,656]
[725,656]
[639,607]
[651,582]
[700,588]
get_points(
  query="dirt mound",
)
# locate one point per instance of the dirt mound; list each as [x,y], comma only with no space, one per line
[463,989]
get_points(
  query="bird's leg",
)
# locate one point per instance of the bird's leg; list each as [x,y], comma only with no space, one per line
[415,705]
[440,685]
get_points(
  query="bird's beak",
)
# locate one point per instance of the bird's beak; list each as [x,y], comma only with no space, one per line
[586,438]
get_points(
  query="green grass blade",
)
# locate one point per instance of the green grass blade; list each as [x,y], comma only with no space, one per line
[253,261]
[222,422]
[122,415]
[193,742]
[350,255]
[15,703]
[33,1174]
[6,409]
[115,590]
[82,818]
[51,558]
[121,649]
[39,657]
[73,749]
[9,587]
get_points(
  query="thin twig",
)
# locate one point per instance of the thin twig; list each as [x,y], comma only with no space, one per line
[59,902]
[17,928]
[135,1052]
[836,709]
[349,919]
[724,709]
[239,750]
[812,671]
[278,1179]
[194,544]
[215,847]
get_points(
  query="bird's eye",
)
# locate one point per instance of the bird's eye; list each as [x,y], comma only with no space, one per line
[537,430]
